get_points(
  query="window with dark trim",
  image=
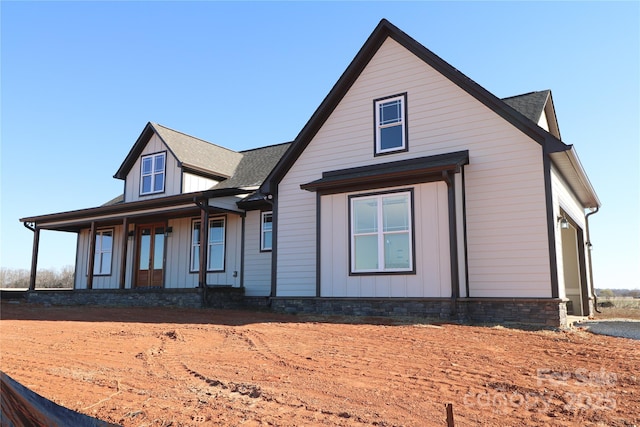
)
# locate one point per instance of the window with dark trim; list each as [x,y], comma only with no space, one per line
[266,231]
[390,124]
[381,233]
[103,253]
[216,248]
[152,173]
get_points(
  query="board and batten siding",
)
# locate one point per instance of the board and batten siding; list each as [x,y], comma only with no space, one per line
[112,281]
[177,274]
[192,182]
[431,235]
[173,176]
[257,264]
[505,202]
[563,198]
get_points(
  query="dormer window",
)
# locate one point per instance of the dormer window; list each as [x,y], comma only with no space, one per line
[390,124]
[152,173]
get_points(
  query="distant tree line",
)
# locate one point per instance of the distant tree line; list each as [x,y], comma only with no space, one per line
[46,278]
[613,293]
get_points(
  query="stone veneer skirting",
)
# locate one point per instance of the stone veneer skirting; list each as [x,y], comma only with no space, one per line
[539,311]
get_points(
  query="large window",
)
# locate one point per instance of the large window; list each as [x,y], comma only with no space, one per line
[391,126]
[266,232]
[152,173]
[215,253]
[381,233]
[103,252]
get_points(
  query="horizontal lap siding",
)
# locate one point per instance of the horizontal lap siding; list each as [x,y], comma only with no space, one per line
[257,265]
[173,177]
[504,180]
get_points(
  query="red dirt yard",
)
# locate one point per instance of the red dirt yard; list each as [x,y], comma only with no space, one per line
[178,367]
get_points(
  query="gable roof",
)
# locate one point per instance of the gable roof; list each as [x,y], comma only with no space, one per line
[191,153]
[385,30]
[254,166]
[531,105]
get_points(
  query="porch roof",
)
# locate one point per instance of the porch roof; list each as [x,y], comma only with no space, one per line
[168,207]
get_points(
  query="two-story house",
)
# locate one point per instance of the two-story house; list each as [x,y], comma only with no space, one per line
[411,190]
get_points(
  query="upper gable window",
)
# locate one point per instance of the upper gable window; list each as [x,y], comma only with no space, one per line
[391,124]
[152,173]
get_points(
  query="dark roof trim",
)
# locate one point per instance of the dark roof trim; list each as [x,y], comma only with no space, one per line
[137,148]
[403,172]
[121,208]
[376,39]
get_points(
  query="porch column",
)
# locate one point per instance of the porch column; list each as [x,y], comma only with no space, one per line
[204,244]
[92,254]
[453,239]
[123,259]
[34,257]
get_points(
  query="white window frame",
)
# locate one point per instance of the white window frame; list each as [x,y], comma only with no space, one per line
[402,122]
[153,174]
[194,266]
[99,267]
[264,231]
[381,233]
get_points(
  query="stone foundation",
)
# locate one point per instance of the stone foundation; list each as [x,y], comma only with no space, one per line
[538,311]
[188,298]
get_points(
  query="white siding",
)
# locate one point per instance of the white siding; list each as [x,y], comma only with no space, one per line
[177,274]
[433,273]
[192,182]
[563,198]
[257,265]
[112,281]
[506,220]
[173,176]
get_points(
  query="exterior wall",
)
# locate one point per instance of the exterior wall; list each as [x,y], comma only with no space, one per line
[432,259]
[177,274]
[82,259]
[543,123]
[192,182]
[257,264]
[172,185]
[177,255]
[228,203]
[563,198]
[505,202]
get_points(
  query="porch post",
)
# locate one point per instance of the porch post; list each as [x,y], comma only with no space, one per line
[123,258]
[34,258]
[204,244]
[92,254]
[453,240]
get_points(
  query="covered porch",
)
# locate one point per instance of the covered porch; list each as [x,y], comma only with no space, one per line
[150,244]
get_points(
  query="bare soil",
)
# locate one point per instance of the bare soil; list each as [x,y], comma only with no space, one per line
[177,367]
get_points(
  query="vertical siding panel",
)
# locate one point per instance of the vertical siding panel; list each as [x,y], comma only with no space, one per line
[257,265]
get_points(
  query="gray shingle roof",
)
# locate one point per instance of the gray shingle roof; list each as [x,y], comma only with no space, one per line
[199,154]
[531,105]
[254,166]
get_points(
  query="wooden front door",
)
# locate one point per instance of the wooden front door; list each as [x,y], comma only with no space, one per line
[150,255]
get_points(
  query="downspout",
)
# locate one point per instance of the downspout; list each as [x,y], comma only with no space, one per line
[593,289]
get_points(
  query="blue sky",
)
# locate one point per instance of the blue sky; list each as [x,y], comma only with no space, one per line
[79,81]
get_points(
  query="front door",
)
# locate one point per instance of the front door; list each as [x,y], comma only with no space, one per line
[150,256]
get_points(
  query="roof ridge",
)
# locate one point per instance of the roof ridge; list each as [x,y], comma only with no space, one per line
[525,94]
[194,137]
[264,146]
